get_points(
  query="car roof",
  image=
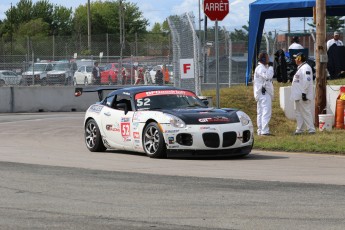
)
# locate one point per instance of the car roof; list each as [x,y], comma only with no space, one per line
[137,89]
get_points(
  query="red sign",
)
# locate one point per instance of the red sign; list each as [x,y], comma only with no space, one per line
[216,9]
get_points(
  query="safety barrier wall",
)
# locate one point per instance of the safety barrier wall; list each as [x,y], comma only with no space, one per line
[62,99]
[44,99]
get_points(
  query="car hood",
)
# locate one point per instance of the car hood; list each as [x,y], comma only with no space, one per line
[205,115]
[57,72]
[30,72]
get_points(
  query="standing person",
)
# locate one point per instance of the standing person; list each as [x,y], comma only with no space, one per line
[96,74]
[159,77]
[302,92]
[334,40]
[295,45]
[263,93]
[147,77]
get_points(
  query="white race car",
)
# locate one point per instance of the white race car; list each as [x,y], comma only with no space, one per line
[164,121]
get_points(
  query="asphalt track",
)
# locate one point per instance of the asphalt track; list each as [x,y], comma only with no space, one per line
[49,180]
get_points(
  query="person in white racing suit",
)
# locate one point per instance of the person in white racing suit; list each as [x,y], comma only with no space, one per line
[263,93]
[302,93]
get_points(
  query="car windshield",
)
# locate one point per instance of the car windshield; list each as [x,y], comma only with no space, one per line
[89,69]
[38,67]
[167,99]
[61,66]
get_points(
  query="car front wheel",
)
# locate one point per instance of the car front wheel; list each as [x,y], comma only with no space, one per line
[153,141]
[93,139]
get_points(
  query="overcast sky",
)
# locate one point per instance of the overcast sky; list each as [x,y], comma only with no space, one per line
[159,10]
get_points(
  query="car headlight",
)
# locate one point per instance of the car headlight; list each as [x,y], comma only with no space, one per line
[244,118]
[176,122]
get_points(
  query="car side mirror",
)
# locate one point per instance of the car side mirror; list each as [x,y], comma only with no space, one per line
[122,106]
[205,102]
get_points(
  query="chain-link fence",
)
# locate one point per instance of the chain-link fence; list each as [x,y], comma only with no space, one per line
[149,52]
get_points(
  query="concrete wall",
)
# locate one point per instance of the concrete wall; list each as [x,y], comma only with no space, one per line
[44,99]
[332,92]
[62,99]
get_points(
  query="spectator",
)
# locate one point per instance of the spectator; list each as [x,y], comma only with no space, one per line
[334,40]
[295,45]
[166,74]
[96,74]
[263,93]
[159,77]
[302,93]
[147,77]
[139,76]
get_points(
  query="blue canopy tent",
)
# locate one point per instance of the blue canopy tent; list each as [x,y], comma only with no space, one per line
[261,10]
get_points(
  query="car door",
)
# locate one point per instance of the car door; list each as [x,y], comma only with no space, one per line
[78,75]
[116,124]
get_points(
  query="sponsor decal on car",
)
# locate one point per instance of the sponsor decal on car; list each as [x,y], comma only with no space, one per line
[136,135]
[125,119]
[112,128]
[171,131]
[96,108]
[163,92]
[171,140]
[214,119]
[207,128]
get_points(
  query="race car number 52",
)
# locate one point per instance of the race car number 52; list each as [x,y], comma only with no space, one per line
[125,129]
[143,102]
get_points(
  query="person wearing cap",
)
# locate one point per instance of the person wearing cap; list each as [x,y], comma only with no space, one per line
[302,93]
[334,40]
[263,93]
[295,45]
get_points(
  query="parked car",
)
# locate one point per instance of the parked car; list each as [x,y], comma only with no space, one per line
[83,76]
[109,74]
[62,73]
[8,77]
[37,73]
[164,121]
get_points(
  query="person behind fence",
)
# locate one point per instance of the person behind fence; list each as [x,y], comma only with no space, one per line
[263,93]
[334,40]
[302,93]
[295,45]
[159,77]
[147,77]
[96,74]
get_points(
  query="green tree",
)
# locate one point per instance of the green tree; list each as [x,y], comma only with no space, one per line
[333,23]
[105,18]
[35,28]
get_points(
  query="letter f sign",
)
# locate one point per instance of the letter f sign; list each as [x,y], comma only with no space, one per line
[185,68]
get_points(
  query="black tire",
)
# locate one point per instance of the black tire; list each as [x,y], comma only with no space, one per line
[2,82]
[153,141]
[93,138]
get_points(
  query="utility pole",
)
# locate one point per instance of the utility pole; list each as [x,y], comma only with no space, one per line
[321,59]
[88,26]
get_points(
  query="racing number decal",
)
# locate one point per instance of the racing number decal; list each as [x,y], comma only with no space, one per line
[143,102]
[125,129]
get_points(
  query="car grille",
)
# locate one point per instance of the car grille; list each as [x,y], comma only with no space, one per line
[246,136]
[184,139]
[211,140]
[229,138]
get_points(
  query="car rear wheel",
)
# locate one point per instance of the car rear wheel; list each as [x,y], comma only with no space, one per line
[93,139]
[2,82]
[86,82]
[153,141]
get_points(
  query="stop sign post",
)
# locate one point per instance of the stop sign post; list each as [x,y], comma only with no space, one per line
[216,10]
